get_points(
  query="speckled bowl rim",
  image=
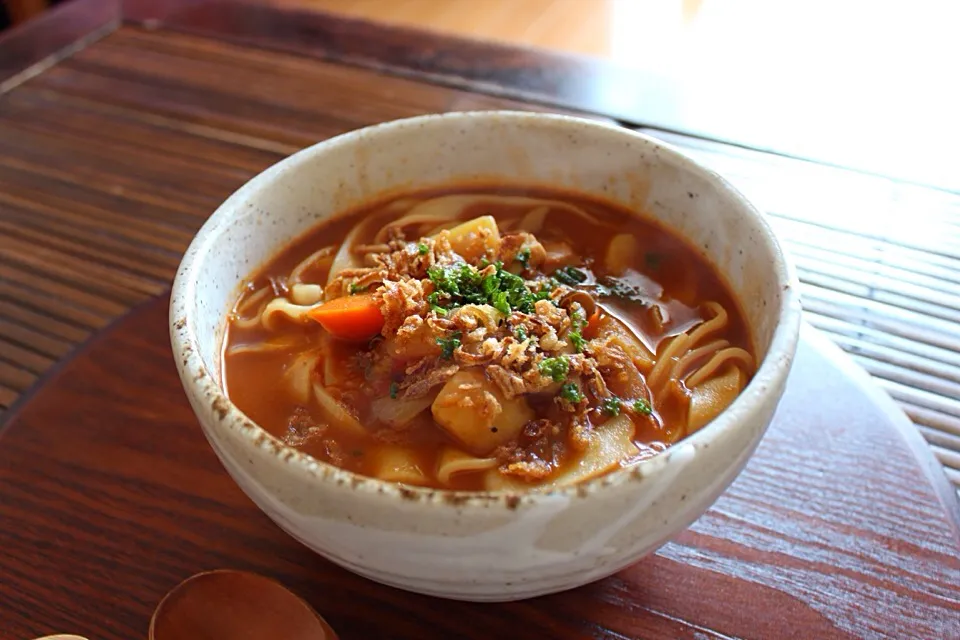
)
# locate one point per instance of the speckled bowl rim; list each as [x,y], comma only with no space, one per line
[200,382]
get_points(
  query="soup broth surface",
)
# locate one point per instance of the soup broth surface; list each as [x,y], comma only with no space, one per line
[486,340]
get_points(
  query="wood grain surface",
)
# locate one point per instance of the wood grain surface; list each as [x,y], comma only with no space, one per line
[40,41]
[842,526]
[113,157]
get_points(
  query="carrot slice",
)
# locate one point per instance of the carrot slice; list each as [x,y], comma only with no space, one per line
[593,324]
[350,317]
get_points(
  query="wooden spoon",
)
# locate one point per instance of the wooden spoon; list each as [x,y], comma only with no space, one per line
[235,605]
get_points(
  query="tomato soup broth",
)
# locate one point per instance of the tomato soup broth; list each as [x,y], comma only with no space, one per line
[485,340]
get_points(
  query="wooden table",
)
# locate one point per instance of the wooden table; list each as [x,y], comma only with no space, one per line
[122,127]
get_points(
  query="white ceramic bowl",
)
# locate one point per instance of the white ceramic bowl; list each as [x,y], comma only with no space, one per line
[483,546]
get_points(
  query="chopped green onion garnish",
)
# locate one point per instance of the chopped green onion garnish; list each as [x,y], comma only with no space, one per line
[555,368]
[449,345]
[642,407]
[571,393]
[611,406]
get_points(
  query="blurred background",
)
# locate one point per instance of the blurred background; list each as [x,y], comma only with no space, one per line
[860,83]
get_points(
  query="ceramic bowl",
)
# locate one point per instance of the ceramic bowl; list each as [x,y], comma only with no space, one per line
[483,546]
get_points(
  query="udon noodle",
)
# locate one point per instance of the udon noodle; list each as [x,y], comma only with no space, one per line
[484,341]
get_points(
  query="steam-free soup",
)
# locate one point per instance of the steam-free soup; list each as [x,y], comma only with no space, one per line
[478,340]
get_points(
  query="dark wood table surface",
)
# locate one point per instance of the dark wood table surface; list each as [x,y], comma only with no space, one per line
[123,125]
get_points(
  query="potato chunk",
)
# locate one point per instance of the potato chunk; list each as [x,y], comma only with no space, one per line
[621,254]
[472,410]
[610,445]
[713,396]
[397,463]
[475,238]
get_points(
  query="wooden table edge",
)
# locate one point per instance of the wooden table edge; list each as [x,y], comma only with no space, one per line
[31,47]
[13,412]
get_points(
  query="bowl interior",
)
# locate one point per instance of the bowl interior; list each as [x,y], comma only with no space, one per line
[491,147]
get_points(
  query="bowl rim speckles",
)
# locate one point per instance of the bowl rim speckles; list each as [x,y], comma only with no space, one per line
[202,383]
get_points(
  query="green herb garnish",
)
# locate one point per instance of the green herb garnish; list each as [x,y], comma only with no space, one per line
[440,311]
[543,294]
[570,276]
[555,368]
[577,340]
[462,284]
[611,406]
[642,407]
[423,249]
[490,284]
[571,393]
[546,288]
[449,345]
[357,288]
[523,257]
[500,302]
[394,389]
[578,321]
[521,333]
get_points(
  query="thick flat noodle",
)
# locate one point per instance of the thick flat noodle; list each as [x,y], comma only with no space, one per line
[610,444]
[335,413]
[666,368]
[533,221]
[335,352]
[696,355]
[298,378]
[247,313]
[397,412]
[437,211]
[454,462]
[714,364]
[396,463]
[279,309]
[318,258]
[718,322]
[273,344]
[345,257]
[708,399]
